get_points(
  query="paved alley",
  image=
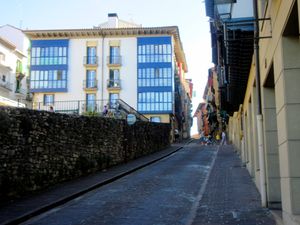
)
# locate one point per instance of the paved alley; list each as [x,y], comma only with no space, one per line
[196,185]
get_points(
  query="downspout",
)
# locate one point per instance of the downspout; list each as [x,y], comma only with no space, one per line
[102,73]
[259,110]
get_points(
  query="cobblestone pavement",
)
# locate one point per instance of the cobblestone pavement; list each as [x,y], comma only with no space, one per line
[230,196]
[191,187]
[160,194]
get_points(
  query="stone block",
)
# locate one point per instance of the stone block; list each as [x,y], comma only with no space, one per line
[282,126]
[274,191]
[268,95]
[284,160]
[286,194]
[291,52]
[270,118]
[294,158]
[292,121]
[271,142]
[295,198]
[291,85]
[278,62]
[273,166]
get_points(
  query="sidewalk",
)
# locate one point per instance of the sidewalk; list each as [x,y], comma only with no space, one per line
[230,196]
[25,208]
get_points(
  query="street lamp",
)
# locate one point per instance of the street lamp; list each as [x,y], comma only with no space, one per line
[224,8]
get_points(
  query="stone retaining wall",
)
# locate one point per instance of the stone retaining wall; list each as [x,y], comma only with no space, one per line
[40,148]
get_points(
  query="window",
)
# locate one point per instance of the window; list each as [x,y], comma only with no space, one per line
[155,77]
[154,53]
[114,78]
[3,78]
[59,74]
[19,68]
[49,65]
[113,97]
[48,99]
[91,79]
[91,102]
[155,101]
[48,56]
[91,55]
[114,74]
[48,79]
[157,72]
[155,119]
[114,56]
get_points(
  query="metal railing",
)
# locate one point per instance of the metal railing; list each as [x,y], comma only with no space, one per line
[114,83]
[90,84]
[73,107]
[90,60]
[114,60]
[129,110]
[117,108]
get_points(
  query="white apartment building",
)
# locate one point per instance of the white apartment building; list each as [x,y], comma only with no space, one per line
[79,70]
[13,67]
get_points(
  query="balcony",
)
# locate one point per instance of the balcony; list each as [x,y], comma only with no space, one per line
[21,91]
[90,61]
[90,85]
[113,84]
[114,61]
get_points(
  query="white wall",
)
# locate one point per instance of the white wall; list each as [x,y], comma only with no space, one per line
[22,43]
[8,68]
[128,69]
[15,36]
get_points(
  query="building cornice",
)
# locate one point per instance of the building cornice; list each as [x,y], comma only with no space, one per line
[112,32]
[7,44]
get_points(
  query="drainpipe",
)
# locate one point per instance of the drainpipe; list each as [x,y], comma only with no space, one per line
[102,73]
[259,110]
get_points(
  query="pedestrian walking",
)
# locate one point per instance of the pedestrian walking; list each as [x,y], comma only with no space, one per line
[51,109]
[105,111]
[223,142]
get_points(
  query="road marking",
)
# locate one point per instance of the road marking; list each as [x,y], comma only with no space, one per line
[195,206]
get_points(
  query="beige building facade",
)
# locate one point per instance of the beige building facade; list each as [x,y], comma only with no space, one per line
[280,97]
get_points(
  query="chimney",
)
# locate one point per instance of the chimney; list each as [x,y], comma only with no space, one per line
[113,20]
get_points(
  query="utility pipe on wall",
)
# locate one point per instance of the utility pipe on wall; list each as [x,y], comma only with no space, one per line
[260,138]
[102,73]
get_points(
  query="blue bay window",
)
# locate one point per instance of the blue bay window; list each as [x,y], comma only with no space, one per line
[49,65]
[155,75]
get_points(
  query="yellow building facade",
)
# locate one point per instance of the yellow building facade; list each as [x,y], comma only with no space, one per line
[280,97]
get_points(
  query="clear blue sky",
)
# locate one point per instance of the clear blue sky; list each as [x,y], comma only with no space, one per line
[188,15]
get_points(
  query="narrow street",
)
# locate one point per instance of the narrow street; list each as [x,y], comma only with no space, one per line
[166,192]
